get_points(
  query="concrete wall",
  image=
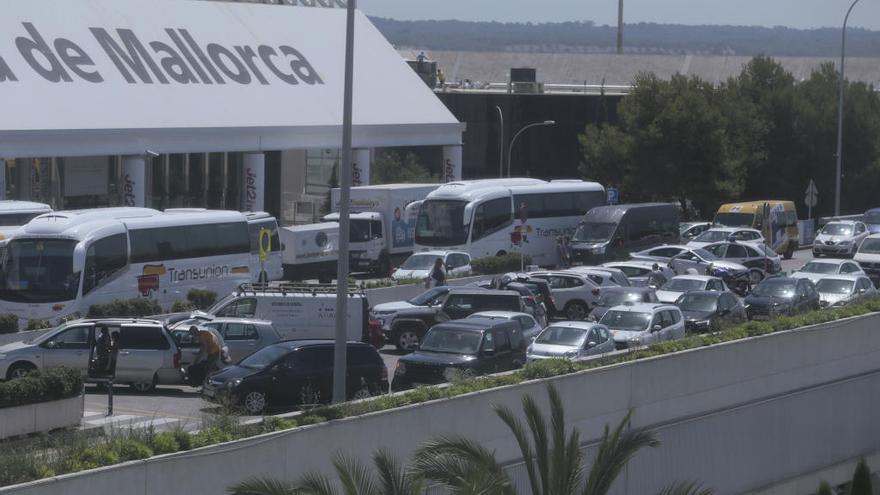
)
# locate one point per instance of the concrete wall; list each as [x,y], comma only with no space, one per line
[41,417]
[738,417]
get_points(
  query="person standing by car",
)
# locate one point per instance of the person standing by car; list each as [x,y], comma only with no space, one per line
[438,273]
[102,350]
[208,358]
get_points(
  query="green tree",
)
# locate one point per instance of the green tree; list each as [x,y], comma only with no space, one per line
[824,489]
[389,167]
[355,477]
[861,483]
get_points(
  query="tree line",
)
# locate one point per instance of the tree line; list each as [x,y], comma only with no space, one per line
[759,135]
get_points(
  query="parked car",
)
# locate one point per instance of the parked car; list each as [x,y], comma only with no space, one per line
[642,273]
[528,325]
[685,260]
[463,348]
[190,347]
[409,326]
[709,311]
[727,234]
[419,265]
[574,292]
[615,296]
[868,257]
[530,302]
[147,354]
[295,372]
[538,287]
[634,325]
[682,284]
[604,275]
[241,336]
[781,296]
[385,312]
[661,254]
[840,238]
[608,232]
[820,268]
[840,290]
[571,340]
[758,258]
[690,230]
[872,220]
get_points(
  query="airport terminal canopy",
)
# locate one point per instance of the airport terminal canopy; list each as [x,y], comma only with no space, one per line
[103,77]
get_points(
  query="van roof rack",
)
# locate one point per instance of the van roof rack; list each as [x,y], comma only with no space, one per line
[285,288]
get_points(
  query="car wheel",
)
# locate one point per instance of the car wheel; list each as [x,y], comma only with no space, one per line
[144,387]
[20,370]
[501,253]
[576,310]
[255,402]
[407,340]
[755,277]
[363,393]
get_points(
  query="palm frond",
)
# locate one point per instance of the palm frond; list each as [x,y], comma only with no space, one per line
[538,427]
[615,451]
[565,471]
[393,478]
[314,484]
[685,488]
[261,486]
[516,427]
[462,465]
[355,477]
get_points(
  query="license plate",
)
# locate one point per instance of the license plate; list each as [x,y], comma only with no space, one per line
[760,317]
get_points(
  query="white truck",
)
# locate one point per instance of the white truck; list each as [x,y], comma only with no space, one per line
[383,223]
[310,251]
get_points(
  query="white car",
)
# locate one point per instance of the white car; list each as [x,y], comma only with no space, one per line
[689,230]
[868,257]
[680,284]
[660,254]
[840,237]
[570,340]
[574,292]
[821,268]
[727,234]
[634,325]
[419,265]
[758,258]
[603,275]
[639,271]
[840,290]
[527,323]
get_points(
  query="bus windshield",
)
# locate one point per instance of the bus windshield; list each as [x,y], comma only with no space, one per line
[594,232]
[735,219]
[39,271]
[441,223]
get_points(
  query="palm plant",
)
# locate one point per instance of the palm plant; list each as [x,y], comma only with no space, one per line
[355,478]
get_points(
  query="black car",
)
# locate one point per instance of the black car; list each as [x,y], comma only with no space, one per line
[781,296]
[296,372]
[706,310]
[538,286]
[462,348]
[616,296]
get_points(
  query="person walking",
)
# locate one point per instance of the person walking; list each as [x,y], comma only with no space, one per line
[438,273]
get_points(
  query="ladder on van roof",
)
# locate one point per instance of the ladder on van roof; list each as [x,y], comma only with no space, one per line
[285,288]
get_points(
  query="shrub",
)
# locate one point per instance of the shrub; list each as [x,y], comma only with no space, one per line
[182,307]
[491,265]
[311,420]
[183,439]
[547,368]
[38,324]
[165,443]
[131,449]
[8,323]
[861,483]
[274,423]
[126,308]
[41,386]
[201,298]
[210,436]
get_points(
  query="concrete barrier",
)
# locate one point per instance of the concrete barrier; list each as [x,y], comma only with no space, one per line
[41,417]
[739,416]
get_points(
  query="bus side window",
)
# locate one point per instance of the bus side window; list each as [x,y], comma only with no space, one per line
[104,258]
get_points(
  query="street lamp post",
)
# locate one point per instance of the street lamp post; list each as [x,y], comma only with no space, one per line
[840,112]
[513,141]
[500,142]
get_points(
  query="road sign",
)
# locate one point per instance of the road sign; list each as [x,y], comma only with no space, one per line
[613,195]
[812,198]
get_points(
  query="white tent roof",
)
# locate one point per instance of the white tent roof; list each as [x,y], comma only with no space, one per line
[183,76]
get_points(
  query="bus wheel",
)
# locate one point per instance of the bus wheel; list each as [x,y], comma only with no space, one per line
[789,252]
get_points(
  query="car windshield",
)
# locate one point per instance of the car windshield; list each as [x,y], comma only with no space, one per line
[594,232]
[683,285]
[837,229]
[775,288]
[451,341]
[419,262]
[626,320]
[616,298]
[441,223]
[567,336]
[870,246]
[698,302]
[735,219]
[872,217]
[835,286]
[430,296]
[706,255]
[818,267]
[712,236]
[264,357]
[38,271]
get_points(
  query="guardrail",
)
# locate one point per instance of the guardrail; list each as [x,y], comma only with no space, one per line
[519,88]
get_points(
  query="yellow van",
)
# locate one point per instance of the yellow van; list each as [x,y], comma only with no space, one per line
[777,220]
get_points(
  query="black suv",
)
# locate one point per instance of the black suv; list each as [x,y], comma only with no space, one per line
[463,348]
[410,325]
[781,296]
[295,372]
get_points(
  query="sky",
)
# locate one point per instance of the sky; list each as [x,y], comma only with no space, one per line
[790,13]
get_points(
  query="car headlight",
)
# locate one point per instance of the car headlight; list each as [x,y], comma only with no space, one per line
[233,383]
[401,369]
[529,350]
[635,341]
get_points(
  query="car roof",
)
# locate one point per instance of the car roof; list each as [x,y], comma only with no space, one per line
[847,277]
[633,263]
[847,222]
[830,261]
[439,253]
[480,291]
[733,229]
[629,289]
[499,314]
[641,307]
[475,324]
[298,344]
[233,319]
[142,321]
[583,325]
[701,278]
[714,293]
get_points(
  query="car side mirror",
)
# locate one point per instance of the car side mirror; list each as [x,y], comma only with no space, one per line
[657,328]
[590,345]
[51,344]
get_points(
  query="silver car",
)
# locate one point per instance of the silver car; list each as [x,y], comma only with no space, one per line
[145,356]
[840,238]
[839,290]
[571,340]
[527,323]
[239,337]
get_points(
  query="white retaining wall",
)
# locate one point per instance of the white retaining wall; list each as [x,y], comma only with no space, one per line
[739,416]
[40,417]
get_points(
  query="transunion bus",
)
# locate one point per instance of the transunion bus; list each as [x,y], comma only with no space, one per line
[496,216]
[61,263]
[14,214]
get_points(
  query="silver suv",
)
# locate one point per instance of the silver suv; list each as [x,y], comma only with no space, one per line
[146,355]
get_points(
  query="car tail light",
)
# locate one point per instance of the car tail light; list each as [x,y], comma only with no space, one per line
[596,291]
[553,301]
[177,359]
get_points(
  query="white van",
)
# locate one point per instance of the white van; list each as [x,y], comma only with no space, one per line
[296,311]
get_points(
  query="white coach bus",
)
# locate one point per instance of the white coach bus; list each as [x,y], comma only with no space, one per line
[487,217]
[61,263]
[14,214]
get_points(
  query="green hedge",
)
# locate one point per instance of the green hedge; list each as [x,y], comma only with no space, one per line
[195,299]
[41,386]
[125,308]
[492,265]
[8,323]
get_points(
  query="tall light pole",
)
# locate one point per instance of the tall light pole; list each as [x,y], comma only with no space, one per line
[513,141]
[620,27]
[500,142]
[840,113]
[340,347]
